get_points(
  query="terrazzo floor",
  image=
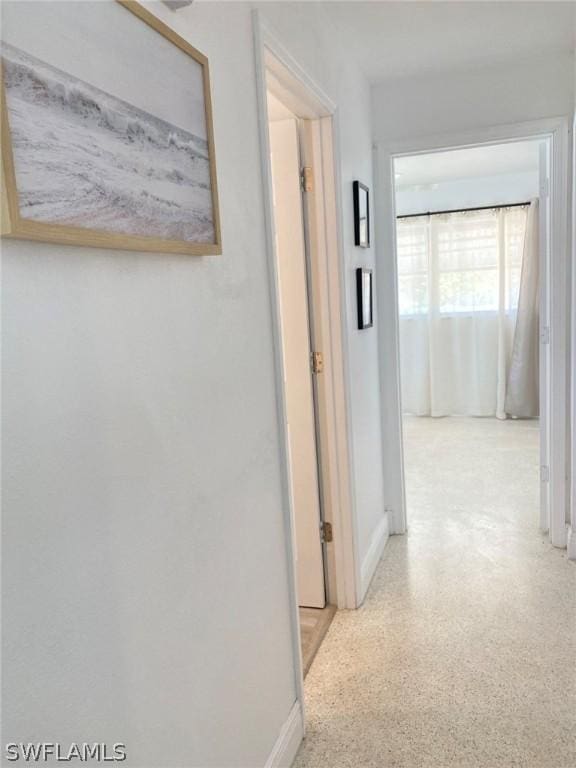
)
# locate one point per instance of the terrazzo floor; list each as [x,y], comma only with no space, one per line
[464,652]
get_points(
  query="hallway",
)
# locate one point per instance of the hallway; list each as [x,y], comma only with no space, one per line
[461,654]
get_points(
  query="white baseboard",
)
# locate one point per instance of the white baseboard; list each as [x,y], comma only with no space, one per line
[289,740]
[372,557]
[571,543]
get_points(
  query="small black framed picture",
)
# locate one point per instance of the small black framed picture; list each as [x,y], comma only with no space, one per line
[361,215]
[364,297]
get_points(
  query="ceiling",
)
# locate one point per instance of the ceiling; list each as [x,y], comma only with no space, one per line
[398,39]
[475,162]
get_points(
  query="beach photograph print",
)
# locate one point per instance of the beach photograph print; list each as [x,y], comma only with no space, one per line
[105,136]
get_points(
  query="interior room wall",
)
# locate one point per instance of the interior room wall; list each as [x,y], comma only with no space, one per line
[454,101]
[146,594]
[467,193]
[146,591]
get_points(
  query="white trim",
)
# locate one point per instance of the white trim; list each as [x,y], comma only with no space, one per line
[559,310]
[372,557]
[571,542]
[496,134]
[557,130]
[388,342]
[349,556]
[288,741]
[307,99]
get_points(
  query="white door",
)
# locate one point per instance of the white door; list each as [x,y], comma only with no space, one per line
[544,243]
[290,248]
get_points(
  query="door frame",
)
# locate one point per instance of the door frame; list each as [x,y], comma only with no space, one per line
[308,101]
[571,546]
[556,130]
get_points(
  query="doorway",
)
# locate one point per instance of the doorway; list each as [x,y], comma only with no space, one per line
[470,285]
[292,180]
[306,267]
[298,357]
[549,138]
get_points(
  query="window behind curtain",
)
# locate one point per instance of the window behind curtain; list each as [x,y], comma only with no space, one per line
[460,262]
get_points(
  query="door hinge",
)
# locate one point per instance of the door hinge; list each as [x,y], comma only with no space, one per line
[306,179]
[544,474]
[326,532]
[545,335]
[317,362]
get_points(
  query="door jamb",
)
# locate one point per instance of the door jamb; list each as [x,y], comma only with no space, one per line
[557,130]
[290,76]
[571,545]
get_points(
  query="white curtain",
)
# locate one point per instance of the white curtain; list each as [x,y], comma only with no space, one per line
[522,392]
[462,349]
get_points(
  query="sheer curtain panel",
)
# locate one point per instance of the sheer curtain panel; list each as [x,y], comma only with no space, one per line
[462,349]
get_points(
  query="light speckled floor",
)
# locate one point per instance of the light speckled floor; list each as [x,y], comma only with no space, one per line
[464,653]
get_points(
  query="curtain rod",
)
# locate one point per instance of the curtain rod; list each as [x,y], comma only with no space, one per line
[462,210]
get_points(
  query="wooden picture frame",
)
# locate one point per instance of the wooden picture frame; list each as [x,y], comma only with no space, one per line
[361,215]
[195,209]
[364,298]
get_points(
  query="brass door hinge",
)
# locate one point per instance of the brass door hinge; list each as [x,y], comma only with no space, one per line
[306,179]
[326,532]
[317,362]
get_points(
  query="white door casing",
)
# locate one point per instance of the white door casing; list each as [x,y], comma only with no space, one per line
[554,133]
[544,349]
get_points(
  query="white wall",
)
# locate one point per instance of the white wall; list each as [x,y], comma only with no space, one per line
[145,574]
[454,101]
[146,592]
[467,193]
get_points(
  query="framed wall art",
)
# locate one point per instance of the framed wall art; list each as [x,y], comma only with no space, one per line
[364,298]
[361,215]
[107,135]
